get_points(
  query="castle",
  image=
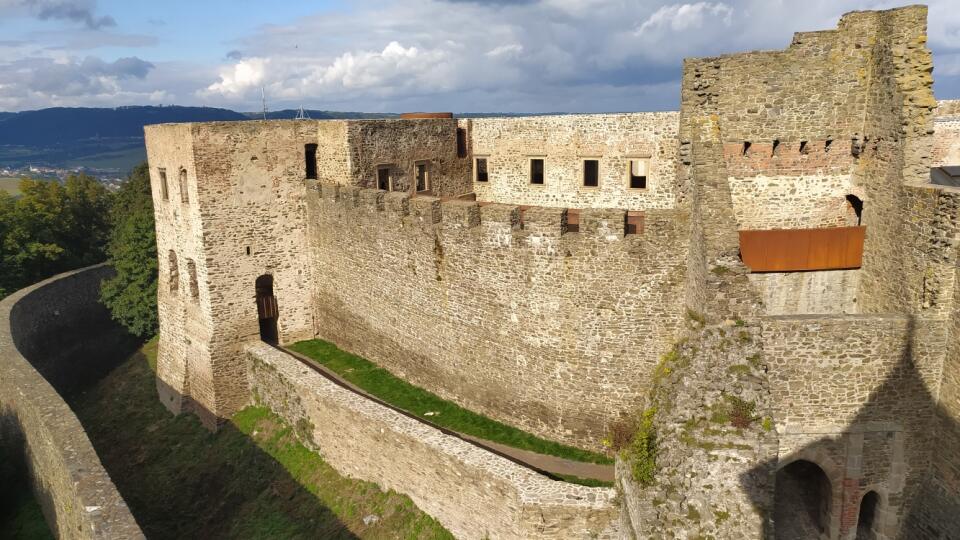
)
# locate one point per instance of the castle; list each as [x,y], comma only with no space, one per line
[537,270]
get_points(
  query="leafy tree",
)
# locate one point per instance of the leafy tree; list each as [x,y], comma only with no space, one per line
[51,228]
[131,295]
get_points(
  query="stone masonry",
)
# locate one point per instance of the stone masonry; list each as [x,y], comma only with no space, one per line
[555,306]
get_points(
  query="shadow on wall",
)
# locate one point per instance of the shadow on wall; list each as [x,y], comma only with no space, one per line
[71,343]
[856,484]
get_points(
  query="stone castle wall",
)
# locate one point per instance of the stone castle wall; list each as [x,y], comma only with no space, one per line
[520,320]
[563,142]
[75,492]
[472,492]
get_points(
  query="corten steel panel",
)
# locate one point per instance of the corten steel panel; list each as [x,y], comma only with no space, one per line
[793,250]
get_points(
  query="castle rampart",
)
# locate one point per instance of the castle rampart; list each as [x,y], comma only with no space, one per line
[75,492]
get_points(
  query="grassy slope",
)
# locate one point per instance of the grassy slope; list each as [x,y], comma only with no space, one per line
[252,479]
[417,401]
[10,185]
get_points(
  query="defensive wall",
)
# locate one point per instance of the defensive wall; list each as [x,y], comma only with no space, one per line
[56,329]
[564,142]
[474,493]
[505,312]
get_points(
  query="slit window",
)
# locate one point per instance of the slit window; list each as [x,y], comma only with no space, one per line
[481,170]
[804,149]
[591,173]
[310,158]
[383,178]
[746,148]
[423,176]
[461,142]
[164,190]
[637,173]
[184,195]
[174,273]
[194,287]
[536,171]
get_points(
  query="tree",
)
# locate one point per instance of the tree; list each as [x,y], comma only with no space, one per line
[51,228]
[131,295]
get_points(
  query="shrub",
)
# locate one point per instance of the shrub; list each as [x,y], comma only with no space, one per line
[643,449]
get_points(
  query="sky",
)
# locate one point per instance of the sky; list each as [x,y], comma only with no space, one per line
[395,56]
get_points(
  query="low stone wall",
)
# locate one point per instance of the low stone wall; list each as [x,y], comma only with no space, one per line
[472,492]
[77,496]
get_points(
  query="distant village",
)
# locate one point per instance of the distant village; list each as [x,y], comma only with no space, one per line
[112,178]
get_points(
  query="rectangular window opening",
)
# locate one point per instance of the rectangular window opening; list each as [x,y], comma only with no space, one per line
[481,169]
[248,250]
[164,191]
[536,171]
[633,223]
[310,158]
[746,148]
[461,142]
[383,178]
[423,176]
[573,220]
[638,174]
[826,145]
[804,149]
[194,287]
[591,173]
[776,147]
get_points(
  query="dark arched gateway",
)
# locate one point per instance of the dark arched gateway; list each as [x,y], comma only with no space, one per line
[857,204]
[802,501]
[267,309]
[866,523]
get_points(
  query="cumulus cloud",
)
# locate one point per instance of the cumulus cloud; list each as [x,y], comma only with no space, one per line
[680,17]
[57,80]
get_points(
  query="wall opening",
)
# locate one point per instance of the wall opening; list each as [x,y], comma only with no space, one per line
[857,204]
[866,522]
[194,287]
[591,173]
[423,176]
[802,501]
[164,190]
[480,169]
[804,149]
[637,174]
[383,178]
[461,142]
[536,171]
[267,311]
[173,272]
[827,144]
[746,148]
[310,160]
[184,195]
[776,147]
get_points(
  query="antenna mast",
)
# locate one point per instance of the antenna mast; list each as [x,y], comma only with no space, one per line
[263,99]
[302,114]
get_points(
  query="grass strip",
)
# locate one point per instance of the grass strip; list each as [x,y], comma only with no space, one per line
[430,407]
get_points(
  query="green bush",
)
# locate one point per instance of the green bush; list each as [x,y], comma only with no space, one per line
[642,451]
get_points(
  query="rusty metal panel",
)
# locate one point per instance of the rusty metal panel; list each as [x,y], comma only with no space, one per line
[633,222]
[573,220]
[792,250]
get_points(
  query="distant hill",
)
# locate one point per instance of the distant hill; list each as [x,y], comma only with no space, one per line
[288,114]
[65,124]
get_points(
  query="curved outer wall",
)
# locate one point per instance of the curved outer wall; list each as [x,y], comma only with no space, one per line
[77,496]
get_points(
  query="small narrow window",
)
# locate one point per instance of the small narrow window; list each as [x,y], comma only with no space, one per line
[827,144]
[310,157]
[173,272]
[591,173]
[638,174]
[423,176]
[461,142]
[536,171]
[383,178]
[481,169]
[164,191]
[746,148]
[184,196]
[194,287]
[248,250]
[804,149]
[776,147]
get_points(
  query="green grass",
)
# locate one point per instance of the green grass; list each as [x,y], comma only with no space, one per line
[417,401]
[20,514]
[251,479]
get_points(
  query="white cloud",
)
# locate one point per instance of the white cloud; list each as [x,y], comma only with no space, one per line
[680,17]
[240,77]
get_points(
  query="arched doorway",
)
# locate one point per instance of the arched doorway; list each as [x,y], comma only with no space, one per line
[868,516]
[267,310]
[802,501]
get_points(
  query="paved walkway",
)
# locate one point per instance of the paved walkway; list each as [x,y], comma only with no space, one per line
[541,463]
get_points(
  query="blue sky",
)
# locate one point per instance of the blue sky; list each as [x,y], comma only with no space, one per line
[387,55]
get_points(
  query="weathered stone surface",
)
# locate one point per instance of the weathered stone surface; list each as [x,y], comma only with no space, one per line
[75,492]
